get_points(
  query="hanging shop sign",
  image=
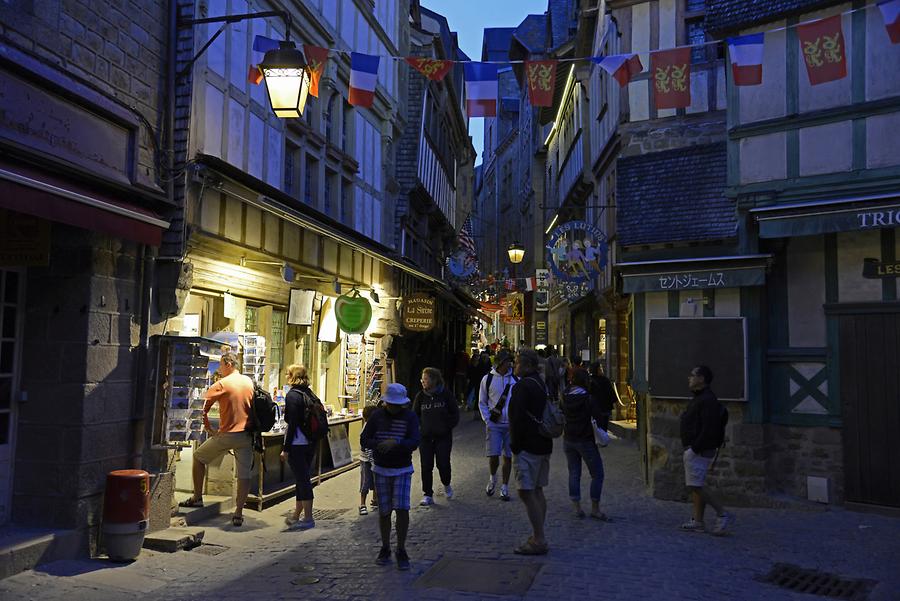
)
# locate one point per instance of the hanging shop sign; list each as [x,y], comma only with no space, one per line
[353,312]
[462,264]
[540,330]
[418,312]
[514,314]
[573,290]
[577,252]
[542,290]
[875,269]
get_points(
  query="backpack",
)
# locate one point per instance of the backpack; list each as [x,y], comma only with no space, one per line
[263,411]
[315,424]
[552,422]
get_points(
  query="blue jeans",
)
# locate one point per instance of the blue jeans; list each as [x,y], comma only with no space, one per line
[586,450]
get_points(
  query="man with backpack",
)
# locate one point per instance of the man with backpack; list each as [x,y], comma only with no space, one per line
[234,394]
[493,403]
[702,433]
[531,447]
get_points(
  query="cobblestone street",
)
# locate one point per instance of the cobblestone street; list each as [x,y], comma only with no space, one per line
[640,555]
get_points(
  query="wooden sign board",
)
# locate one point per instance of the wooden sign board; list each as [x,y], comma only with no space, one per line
[418,312]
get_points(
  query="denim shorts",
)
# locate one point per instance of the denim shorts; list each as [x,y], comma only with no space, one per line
[532,471]
[496,440]
[696,467]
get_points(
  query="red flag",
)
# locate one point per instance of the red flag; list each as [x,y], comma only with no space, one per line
[671,74]
[890,10]
[541,79]
[822,45]
[432,68]
[254,75]
[316,58]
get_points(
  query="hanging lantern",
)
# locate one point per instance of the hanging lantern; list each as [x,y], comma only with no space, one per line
[287,80]
[516,253]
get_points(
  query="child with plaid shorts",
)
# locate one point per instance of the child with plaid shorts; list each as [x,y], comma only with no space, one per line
[392,433]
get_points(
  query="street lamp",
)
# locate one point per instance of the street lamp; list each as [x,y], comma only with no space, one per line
[287,80]
[516,253]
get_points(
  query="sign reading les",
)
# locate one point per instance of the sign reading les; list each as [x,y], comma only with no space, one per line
[418,312]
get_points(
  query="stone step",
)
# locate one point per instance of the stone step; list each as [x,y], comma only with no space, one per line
[171,540]
[24,548]
[213,505]
[623,429]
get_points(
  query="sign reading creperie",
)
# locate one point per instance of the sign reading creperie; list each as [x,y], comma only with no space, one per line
[418,312]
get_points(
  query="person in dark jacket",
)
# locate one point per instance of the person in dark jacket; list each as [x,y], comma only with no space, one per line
[297,450]
[602,390]
[702,433]
[579,407]
[531,450]
[438,414]
[392,433]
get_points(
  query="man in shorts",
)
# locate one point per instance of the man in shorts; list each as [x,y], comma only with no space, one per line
[392,433]
[493,403]
[234,393]
[531,450]
[702,433]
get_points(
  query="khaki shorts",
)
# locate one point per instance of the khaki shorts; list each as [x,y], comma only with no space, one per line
[218,445]
[695,467]
[532,471]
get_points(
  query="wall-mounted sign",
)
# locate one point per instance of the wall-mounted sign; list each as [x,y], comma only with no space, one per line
[875,269]
[542,290]
[24,240]
[418,312]
[572,290]
[540,330]
[515,309]
[353,312]
[577,251]
[694,280]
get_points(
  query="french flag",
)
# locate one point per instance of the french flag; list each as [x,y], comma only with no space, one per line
[890,10]
[746,55]
[481,89]
[363,78]
[622,67]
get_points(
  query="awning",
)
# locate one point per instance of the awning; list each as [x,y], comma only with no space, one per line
[825,217]
[694,274]
[37,193]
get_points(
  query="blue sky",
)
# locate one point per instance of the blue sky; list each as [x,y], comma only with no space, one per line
[469,18]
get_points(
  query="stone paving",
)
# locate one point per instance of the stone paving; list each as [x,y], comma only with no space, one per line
[640,555]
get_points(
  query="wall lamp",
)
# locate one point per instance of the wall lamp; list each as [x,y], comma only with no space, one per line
[516,252]
[284,69]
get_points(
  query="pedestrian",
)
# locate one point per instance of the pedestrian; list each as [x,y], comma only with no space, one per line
[531,450]
[459,376]
[297,449]
[493,405]
[580,407]
[366,477]
[234,393]
[553,373]
[392,433]
[702,433]
[602,389]
[438,414]
[474,375]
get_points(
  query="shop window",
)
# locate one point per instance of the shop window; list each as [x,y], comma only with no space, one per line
[346,209]
[345,127]
[251,320]
[276,352]
[312,180]
[330,176]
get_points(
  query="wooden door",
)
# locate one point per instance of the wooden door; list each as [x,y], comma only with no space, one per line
[870,398]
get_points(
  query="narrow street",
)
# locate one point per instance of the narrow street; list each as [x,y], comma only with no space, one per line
[640,555]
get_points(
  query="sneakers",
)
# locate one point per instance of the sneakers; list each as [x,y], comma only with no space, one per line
[489,490]
[426,501]
[384,556]
[722,523]
[402,560]
[504,493]
[693,525]
[448,491]
[293,524]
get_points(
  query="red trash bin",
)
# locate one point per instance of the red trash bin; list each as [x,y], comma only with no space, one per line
[126,510]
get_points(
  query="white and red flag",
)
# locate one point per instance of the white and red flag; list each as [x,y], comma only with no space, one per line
[746,56]
[622,67]
[890,10]
[481,89]
[363,78]
[530,284]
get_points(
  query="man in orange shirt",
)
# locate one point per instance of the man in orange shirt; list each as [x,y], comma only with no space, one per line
[233,392]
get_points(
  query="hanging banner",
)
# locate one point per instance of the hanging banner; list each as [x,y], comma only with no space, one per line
[353,312]
[542,291]
[432,68]
[316,58]
[418,312]
[541,77]
[822,44]
[514,314]
[671,73]
[577,252]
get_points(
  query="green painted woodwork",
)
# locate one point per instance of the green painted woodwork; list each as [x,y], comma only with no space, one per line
[858,52]
[639,343]
[777,329]
[674,298]
[859,144]
[885,180]
[751,309]
[791,72]
[845,112]
[888,255]
[709,307]
[832,327]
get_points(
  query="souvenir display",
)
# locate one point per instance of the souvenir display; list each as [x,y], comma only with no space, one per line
[185,375]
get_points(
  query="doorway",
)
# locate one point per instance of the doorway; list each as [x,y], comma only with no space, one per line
[11,290]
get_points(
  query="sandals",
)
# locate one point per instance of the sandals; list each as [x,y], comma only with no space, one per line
[601,516]
[580,514]
[191,502]
[531,548]
[237,521]
[363,510]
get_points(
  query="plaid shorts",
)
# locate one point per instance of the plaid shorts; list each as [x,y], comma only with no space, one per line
[392,492]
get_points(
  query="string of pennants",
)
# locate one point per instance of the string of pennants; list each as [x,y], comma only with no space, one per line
[821,43]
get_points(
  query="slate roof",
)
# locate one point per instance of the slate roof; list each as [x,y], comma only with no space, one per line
[496,43]
[562,21]
[674,196]
[731,15]
[532,33]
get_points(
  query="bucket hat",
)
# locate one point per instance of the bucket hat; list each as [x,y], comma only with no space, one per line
[395,394]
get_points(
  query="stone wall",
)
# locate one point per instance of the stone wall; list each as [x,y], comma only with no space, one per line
[795,453]
[642,137]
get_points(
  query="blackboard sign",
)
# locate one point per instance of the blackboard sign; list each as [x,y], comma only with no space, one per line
[676,345]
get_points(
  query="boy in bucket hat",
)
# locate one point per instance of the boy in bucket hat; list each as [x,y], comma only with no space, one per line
[392,432]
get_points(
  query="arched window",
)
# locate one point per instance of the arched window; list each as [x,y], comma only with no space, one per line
[329,118]
[346,132]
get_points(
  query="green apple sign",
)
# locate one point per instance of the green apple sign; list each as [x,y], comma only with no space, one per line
[353,312]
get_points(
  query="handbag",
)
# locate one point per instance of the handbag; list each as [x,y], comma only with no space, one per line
[601,436]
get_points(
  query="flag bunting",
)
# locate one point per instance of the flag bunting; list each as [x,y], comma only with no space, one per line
[746,56]
[363,79]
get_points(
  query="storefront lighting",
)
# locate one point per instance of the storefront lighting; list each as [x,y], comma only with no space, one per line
[374,296]
[287,80]
[516,253]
